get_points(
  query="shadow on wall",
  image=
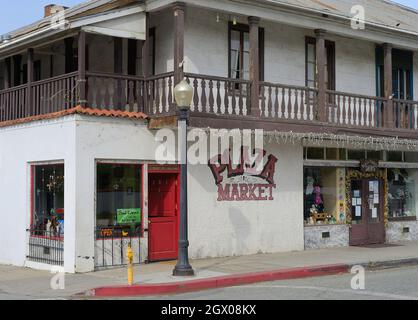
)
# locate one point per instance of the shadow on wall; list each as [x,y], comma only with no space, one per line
[241,230]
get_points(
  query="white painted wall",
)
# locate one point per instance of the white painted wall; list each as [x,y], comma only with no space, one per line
[206,51]
[51,140]
[220,229]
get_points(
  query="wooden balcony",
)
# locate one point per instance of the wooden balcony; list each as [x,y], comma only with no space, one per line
[219,103]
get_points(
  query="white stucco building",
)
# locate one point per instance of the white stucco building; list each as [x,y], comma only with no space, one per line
[81,103]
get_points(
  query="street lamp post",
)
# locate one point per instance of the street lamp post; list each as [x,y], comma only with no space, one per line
[183,94]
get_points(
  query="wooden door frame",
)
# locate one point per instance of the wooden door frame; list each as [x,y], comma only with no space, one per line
[171,170]
[379,174]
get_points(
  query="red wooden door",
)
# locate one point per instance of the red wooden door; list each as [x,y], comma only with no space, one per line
[163,217]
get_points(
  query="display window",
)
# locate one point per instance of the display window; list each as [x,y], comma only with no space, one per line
[402,193]
[118,200]
[324,195]
[47,217]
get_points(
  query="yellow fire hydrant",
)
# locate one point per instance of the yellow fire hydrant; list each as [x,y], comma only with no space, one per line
[130,256]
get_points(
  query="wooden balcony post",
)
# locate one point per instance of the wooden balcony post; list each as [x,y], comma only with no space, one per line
[81,81]
[17,68]
[254,23]
[30,111]
[178,9]
[118,69]
[388,89]
[145,64]
[320,75]
[7,73]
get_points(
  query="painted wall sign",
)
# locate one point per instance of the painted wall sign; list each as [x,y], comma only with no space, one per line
[243,184]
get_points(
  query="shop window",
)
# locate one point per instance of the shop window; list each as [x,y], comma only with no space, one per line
[315,153]
[119,199]
[375,155]
[324,195]
[48,200]
[394,156]
[356,154]
[411,157]
[336,154]
[402,192]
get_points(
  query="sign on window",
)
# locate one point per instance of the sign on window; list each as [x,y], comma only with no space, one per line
[128,216]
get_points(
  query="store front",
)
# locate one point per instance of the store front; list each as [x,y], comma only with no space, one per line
[118,213]
[355,197]
[46,231]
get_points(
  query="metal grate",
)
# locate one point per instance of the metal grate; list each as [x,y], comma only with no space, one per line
[112,245]
[45,247]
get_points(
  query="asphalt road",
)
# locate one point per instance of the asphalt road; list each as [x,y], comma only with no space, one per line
[390,284]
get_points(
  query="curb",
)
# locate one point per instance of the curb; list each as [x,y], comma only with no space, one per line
[216,282]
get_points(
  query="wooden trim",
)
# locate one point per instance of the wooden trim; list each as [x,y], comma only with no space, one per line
[246,28]
[30,75]
[330,51]
[388,85]
[153,34]
[82,98]
[7,73]
[179,24]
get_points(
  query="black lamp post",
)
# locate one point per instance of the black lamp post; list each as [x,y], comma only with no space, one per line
[183,94]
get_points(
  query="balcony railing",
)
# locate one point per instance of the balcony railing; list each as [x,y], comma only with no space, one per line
[213,96]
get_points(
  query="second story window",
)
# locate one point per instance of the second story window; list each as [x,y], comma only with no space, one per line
[311,69]
[239,52]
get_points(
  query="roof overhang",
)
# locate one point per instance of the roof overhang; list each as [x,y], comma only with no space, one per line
[125,22]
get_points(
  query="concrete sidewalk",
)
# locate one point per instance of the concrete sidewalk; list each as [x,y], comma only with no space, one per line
[23,283]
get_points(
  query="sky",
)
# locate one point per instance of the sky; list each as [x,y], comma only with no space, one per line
[18,13]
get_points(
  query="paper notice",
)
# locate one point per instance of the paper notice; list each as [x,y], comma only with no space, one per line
[356,193]
[371,186]
[376,187]
[374,213]
[358,211]
[376,198]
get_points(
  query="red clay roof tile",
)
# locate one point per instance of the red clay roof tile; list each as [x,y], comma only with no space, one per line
[78,110]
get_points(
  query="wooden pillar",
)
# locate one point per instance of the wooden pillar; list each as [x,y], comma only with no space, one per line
[388,86]
[30,110]
[320,75]
[7,73]
[69,55]
[118,69]
[254,35]
[145,65]
[178,9]
[82,99]
[17,67]
[145,49]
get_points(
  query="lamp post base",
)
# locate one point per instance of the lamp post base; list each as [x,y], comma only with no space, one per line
[183,271]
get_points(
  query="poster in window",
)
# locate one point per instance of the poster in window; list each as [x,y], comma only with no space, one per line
[128,216]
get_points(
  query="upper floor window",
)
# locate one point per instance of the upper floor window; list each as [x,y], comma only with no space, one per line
[311,67]
[239,52]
